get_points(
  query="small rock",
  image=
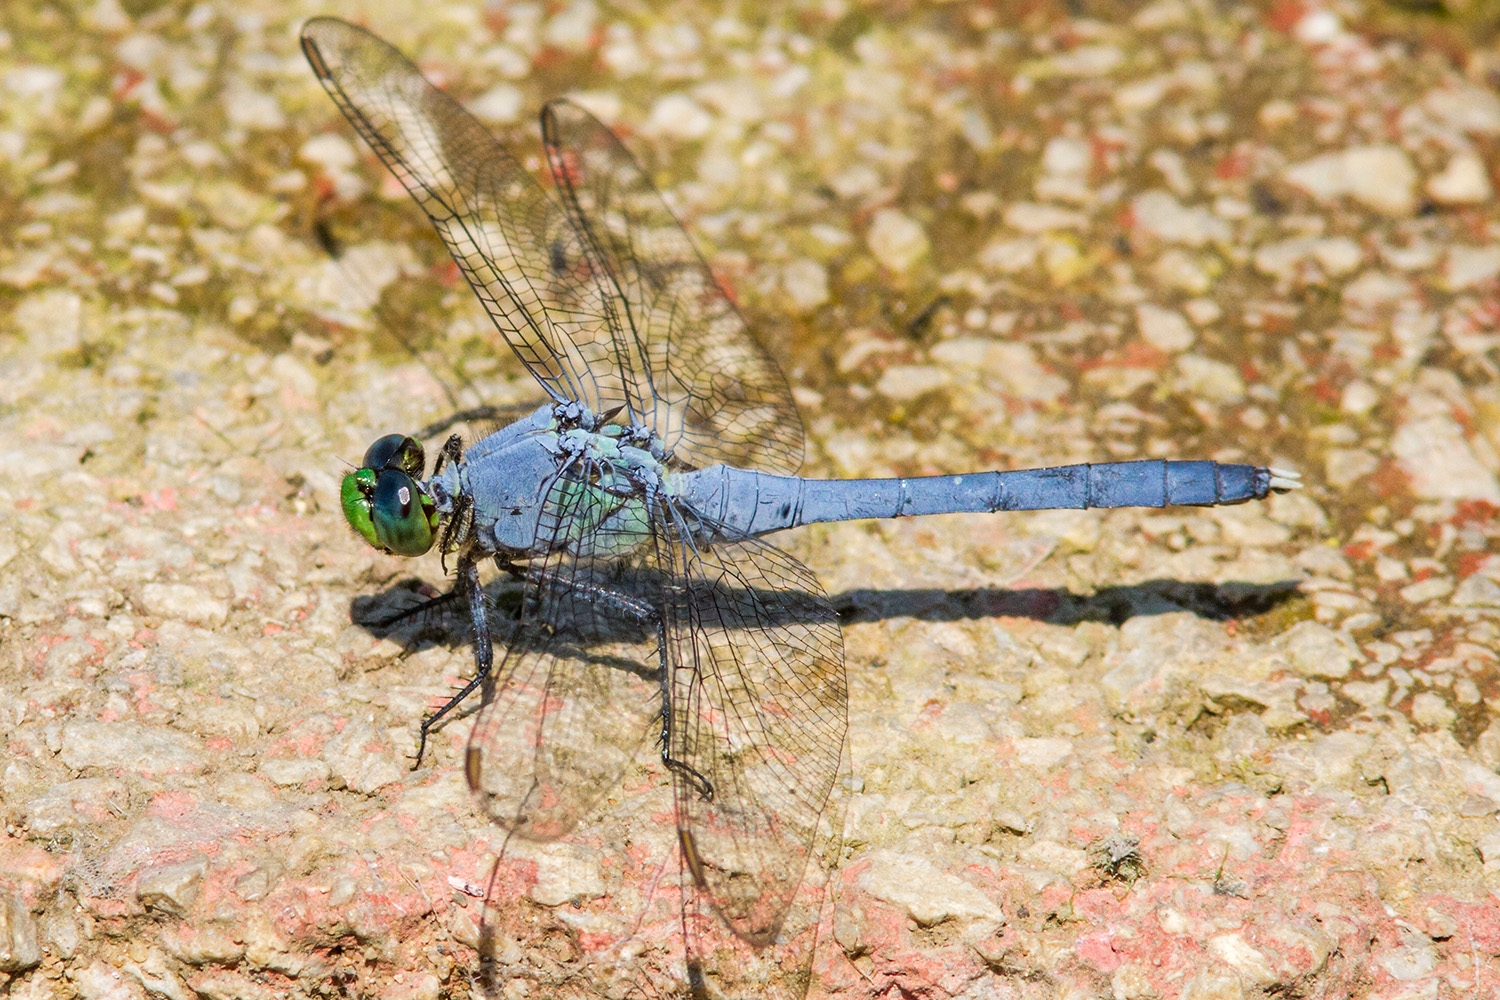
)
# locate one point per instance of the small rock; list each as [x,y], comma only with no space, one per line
[171,888]
[1205,378]
[1163,216]
[1051,856]
[1164,329]
[129,746]
[1435,455]
[1317,651]
[1358,398]
[1427,590]
[182,602]
[904,382]
[1380,177]
[501,104]
[1464,181]
[1468,266]
[1237,953]
[566,873]
[1336,256]
[286,771]
[1027,217]
[896,239]
[806,283]
[19,949]
[1343,466]
[928,894]
[678,116]
[1369,694]
[1429,709]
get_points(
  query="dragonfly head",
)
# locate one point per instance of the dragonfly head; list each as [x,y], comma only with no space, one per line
[384,501]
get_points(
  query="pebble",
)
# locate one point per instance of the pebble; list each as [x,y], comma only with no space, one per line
[896,239]
[805,282]
[1380,177]
[1337,256]
[1206,378]
[1317,651]
[928,894]
[184,602]
[1467,266]
[19,948]
[1439,462]
[1159,214]
[678,116]
[907,382]
[1464,181]
[129,746]
[1165,329]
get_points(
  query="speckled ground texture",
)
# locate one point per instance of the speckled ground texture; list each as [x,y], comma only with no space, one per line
[1208,754]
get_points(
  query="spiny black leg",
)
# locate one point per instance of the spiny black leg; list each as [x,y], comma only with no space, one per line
[428,605]
[456,530]
[701,785]
[453,451]
[484,653]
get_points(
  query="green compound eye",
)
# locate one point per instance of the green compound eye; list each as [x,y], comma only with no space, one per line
[389,510]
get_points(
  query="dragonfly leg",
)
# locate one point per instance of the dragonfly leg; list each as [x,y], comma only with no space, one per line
[431,604]
[484,651]
[686,771]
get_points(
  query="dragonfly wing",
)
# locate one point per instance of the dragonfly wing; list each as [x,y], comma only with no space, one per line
[578,690]
[516,245]
[710,391]
[758,711]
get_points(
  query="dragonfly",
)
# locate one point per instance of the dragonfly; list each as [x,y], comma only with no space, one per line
[633,508]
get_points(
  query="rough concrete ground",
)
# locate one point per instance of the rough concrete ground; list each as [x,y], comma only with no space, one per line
[1202,754]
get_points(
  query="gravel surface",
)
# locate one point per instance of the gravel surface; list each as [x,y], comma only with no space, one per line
[1208,754]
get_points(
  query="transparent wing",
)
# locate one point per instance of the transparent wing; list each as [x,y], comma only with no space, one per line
[578,690]
[514,244]
[712,394]
[758,710]
[606,301]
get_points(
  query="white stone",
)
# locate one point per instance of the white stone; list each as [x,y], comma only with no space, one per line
[1464,181]
[1010,256]
[1284,259]
[1430,710]
[806,283]
[1042,753]
[566,873]
[129,746]
[286,771]
[1051,856]
[1437,458]
[1085,61]
[1379,177]
[1068,157]
[904,382]
[1208,379]
[1466,107]
[502,104]
[1012,363]
[896,239]
[183,602]
[1317,651]
[52,321]
[1358,398]
[678,116]
[329,151]
[928,894]
[1163,216]
[1468,266]
[1028,217]
[1164,329]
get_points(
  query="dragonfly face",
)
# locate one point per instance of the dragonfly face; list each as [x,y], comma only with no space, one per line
[384,501]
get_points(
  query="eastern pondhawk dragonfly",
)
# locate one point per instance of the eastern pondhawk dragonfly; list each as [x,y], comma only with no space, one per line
[633,506]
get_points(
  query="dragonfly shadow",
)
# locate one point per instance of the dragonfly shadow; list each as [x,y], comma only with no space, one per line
[1058,606]
[413,615]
